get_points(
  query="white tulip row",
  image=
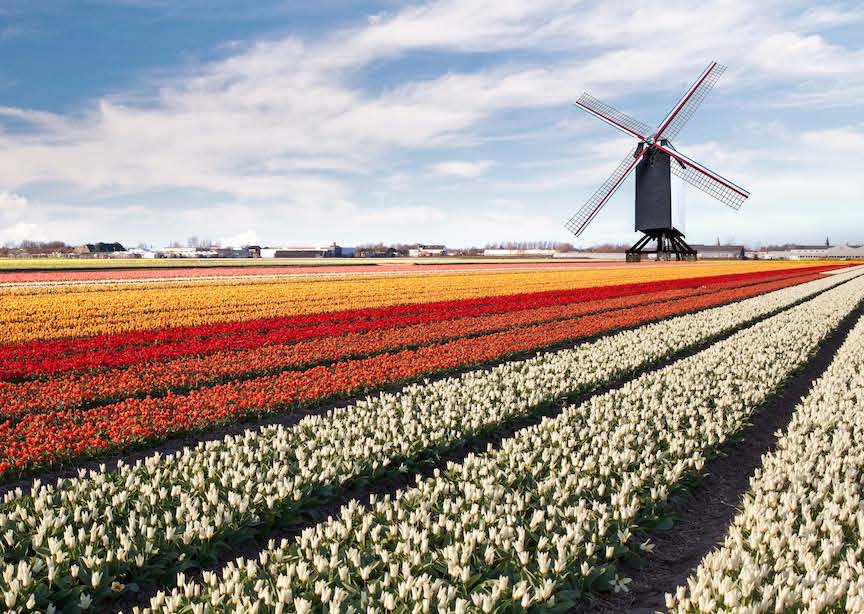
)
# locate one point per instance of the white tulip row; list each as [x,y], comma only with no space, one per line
[542,519]
[797,543]
[84,537]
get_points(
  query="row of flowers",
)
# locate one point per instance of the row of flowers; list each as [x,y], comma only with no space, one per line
[160,269]
[87,389]
[544,518]
[81,540]
[122,348]
[50,314]
[42,438]
[796,544]
[117,350]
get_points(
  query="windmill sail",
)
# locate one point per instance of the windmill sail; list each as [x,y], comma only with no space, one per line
[703,178]
[613,116]
[655,159]
[692,99]
[589,210]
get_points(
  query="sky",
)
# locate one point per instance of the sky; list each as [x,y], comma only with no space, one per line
[450,121]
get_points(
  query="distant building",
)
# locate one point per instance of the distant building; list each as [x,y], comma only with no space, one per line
[836,252]
[810,252]
[140,252]
[378,251]
[421,251]
[720,252]
[93,249]
[185,252]
[308,251]
[247,251]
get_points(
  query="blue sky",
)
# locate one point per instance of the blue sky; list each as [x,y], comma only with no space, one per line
[452,121]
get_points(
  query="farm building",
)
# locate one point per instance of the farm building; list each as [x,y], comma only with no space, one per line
[96,249]
[811,252]
[248,251]
[834,252]
[376,251]
[308,251]
[421,251]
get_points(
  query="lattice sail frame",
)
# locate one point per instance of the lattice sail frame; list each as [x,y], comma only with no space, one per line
[720,191]
[613,116]
[690,171]
[591,208]
[692,100]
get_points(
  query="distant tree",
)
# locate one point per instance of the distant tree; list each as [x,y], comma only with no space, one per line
[609,248]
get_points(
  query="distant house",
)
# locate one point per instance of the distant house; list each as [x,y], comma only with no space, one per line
[90,249]
[421,251]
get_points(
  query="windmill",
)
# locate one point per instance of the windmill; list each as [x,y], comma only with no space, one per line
[654,158]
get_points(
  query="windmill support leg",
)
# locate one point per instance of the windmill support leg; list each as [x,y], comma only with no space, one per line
[634,254]
[669,243]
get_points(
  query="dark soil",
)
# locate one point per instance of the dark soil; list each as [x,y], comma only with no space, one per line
[703,515]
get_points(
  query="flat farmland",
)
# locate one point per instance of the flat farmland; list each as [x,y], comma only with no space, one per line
[455,436]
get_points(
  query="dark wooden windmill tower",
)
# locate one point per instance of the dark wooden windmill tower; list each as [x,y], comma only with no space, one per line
[655,159]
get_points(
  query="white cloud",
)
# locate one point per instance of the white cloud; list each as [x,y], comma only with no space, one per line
[12,205]
[247,237]
[21,231]
[13,228]
[281,130]
[462,168]
[830,16]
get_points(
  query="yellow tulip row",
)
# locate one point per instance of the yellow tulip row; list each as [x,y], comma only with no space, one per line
[82,311]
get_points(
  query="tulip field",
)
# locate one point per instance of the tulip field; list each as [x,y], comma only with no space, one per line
[490,438]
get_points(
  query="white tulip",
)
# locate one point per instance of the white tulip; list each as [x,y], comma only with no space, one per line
[530,488]
[806,496]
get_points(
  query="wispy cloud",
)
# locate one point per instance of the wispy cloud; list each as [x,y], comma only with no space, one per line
[285,124]
[462,168]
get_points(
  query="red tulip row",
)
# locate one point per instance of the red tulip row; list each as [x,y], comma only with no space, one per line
[28,360]
[80,389]
[48,437]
